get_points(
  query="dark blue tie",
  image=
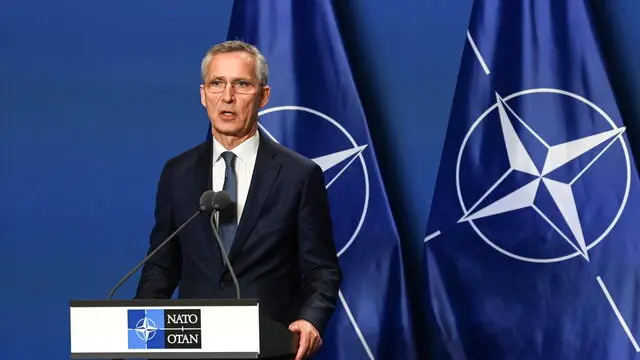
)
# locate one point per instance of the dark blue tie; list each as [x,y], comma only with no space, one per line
[227,219]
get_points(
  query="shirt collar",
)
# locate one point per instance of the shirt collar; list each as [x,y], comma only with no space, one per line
[245,152]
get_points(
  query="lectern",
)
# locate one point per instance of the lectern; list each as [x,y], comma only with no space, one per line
[176,329]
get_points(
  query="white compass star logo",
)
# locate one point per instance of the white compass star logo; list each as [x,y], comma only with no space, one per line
[146,329]
[561,192]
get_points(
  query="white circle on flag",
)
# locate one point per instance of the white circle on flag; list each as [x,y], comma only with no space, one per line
[613,222]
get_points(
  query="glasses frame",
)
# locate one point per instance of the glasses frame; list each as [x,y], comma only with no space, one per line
[239,86]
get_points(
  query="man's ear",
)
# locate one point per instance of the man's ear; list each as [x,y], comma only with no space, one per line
[265,92]
[203,98]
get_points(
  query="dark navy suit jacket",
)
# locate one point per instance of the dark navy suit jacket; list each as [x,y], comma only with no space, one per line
[283,253]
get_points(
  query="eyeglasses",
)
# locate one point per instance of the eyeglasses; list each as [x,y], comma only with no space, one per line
[239,86]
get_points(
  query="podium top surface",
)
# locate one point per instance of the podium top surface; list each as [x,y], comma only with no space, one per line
[164,302]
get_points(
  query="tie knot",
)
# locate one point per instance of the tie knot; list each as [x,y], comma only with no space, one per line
[228,158]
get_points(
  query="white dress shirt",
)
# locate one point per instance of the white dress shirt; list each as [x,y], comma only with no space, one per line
[246,154]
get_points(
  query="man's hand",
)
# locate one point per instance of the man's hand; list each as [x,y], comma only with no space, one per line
[310,340]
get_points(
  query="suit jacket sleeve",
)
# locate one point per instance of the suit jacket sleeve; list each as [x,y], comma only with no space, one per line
[321,274]
[161,274]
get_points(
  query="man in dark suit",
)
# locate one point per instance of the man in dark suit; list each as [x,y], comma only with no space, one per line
[279,232]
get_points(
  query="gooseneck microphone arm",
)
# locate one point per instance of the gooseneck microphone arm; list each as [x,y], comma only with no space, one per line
[224,254]
[206,203]
[133,271]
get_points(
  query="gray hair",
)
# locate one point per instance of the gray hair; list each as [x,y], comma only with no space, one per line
[262,68]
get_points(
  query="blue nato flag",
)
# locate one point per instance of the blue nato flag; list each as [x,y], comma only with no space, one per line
[531,250]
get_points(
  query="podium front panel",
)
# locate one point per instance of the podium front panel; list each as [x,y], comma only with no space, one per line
[174,329]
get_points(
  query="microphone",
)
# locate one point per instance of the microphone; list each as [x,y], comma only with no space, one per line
[220,201]
[206,204]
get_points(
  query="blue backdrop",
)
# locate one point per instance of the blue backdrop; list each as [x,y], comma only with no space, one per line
[94,97]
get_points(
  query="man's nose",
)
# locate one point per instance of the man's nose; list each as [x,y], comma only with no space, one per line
[228,94]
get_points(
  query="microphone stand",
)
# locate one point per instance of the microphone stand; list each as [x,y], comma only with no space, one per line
[224,253]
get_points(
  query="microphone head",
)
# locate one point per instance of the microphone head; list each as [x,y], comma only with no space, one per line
[206,200]
[220,200]
[211,200]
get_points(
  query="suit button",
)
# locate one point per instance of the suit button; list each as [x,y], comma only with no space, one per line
[221,284]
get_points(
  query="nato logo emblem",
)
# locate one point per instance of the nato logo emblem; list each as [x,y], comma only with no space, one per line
[164,329]
[559,174]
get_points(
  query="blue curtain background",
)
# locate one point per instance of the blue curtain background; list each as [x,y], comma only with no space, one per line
[94,97]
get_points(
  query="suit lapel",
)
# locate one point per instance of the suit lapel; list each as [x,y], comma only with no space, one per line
[202,168]
[264,174]
[202,174]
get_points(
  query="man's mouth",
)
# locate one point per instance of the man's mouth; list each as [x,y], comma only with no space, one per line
[227,114]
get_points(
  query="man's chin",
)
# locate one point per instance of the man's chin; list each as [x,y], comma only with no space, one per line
[228,129]
[232,132]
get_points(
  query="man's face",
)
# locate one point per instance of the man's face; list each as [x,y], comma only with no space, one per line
[232,94]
